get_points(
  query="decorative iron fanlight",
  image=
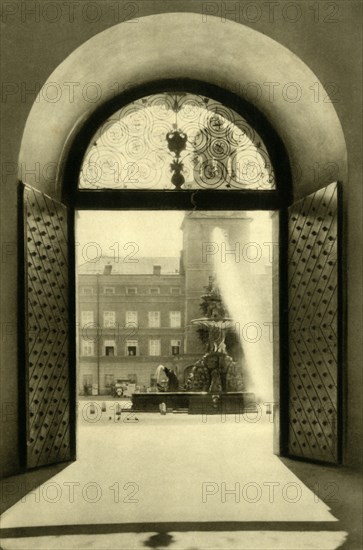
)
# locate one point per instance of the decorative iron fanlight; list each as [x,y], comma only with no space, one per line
[201,142]
[177,142]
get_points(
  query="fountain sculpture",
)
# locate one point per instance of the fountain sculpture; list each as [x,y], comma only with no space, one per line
[216,371]
[215,383]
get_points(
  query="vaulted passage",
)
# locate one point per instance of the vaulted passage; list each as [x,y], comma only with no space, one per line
[162,422]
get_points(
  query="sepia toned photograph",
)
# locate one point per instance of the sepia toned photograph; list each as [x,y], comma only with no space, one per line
[181,275]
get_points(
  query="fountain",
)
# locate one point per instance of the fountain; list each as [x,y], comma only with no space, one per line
[216,377]
[215,383]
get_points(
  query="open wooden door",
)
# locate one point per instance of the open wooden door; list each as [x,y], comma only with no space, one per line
[47,368]
[313,327]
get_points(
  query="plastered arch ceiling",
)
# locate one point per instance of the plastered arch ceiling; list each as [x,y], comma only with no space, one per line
[180,45]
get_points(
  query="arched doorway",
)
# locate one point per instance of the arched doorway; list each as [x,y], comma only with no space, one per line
[76,141]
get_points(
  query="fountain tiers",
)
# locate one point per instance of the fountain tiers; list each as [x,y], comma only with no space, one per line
[216,383]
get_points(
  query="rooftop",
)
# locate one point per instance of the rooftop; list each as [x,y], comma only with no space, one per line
[110,265]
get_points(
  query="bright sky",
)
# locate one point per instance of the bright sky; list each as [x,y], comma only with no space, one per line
[155,232]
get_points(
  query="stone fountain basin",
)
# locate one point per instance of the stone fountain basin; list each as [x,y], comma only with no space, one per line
[196,402]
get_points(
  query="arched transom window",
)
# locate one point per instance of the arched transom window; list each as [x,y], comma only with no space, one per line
[176,140]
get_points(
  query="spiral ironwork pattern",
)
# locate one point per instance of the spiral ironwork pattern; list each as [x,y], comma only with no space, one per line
[130,151]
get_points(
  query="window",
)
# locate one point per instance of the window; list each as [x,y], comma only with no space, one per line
[218,148]
[154,290]
[175,290]
[131,318]
[109,319]
[175,347]
[87,380]
[175,319]
[109,290]
[86,317]
[131,291]
[109,348]
[154,319]
[154,347]
[87,348]
[131,347]
[109,380]
[87,290]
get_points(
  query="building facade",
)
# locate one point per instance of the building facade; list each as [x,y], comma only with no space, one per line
[134,316]
[131,319]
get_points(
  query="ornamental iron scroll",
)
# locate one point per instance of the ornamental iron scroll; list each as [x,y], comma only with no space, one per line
[217,148]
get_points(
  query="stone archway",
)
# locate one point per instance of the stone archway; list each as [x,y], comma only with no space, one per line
[269,76]
[311,131]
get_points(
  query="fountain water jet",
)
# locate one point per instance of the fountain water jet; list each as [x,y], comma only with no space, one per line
[235,282]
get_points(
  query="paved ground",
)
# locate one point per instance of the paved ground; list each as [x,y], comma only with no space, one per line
[176,481]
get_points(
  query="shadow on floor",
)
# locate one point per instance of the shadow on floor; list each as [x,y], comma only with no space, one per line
[163,529]
[339,488]
[161,539]
[14,488]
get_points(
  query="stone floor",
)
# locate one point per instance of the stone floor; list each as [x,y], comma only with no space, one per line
[178,482]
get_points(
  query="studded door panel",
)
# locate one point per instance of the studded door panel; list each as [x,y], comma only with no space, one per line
[313,326]
[46,357]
